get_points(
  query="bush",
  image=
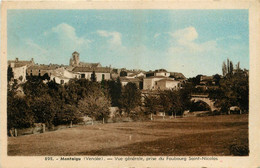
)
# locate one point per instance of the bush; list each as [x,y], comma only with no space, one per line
[138,114]
[239,150]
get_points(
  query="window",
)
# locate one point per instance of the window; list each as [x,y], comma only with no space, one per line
[82,75]
[39,72]
[103,76]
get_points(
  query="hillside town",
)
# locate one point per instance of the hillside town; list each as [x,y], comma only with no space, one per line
[159,79]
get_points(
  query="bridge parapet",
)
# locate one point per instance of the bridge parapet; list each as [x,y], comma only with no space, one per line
[200,95]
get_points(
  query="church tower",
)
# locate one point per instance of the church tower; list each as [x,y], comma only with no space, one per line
[74,61]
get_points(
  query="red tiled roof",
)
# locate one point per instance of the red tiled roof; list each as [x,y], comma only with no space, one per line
[86,64]
[155,77]
[171,80]
[88,69]
[43,67]
[124,79]
[19,63]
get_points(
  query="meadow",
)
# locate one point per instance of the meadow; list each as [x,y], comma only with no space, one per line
[223,135]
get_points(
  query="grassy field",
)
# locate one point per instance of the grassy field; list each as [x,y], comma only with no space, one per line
[212,135]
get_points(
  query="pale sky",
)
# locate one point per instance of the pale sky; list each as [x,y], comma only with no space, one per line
[189,41]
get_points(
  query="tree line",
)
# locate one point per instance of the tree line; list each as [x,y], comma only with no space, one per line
[55,104]
[233,88]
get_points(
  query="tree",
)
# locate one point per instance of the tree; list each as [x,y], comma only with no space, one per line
[20,78]
[45,77]
[228,69]
[95,106]
[67,114]
[131,97]
[34,87]
[238,66]
[93,77]
[152,104]
[115,91]
[10,73]
[233,91]
[231,68]
[224,69]
[19,115]
[216,79]
[195,80]
[228,66]
[175,101]
[44,109]
[176,105]
[123,73]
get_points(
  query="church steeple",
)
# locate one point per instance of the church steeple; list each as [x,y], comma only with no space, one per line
[74,61]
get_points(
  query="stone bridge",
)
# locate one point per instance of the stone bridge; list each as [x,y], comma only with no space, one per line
[204,98]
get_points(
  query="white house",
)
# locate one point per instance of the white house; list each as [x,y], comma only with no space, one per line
[166,84]
[149,82]
[160,83]
[59,78]
[20,73]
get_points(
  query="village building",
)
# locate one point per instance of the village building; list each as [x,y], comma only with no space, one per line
[162,80]
[137,81]
[20,63]
[150,83]
[159,72]
[101,73]
[136,75]
[62,75]
[161,83]
[19,68]
[19,73]
[58,78]
[41,70]
[166,84]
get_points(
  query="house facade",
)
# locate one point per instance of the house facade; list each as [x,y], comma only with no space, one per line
[150,82]
[40,70]
[166,84]
[137,81]
[19,68]
[162,80]
[20,63]
[101,73]
[20,73]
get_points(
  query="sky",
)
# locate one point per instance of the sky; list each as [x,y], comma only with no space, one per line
[188,41]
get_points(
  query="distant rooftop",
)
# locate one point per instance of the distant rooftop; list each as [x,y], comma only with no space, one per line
[88,69]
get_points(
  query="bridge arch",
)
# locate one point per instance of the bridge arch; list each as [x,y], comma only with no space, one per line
[204,98]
